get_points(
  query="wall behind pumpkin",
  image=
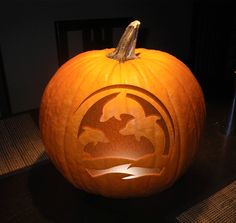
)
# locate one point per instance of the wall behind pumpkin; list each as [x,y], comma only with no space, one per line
[28,36]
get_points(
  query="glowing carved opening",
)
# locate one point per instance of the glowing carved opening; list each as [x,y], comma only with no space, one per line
[125,169]
[122,133]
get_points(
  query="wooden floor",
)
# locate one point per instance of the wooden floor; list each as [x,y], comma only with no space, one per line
[41,194]
[218,208]
[20,144]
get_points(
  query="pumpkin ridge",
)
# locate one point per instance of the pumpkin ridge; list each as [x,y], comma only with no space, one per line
[54,86]
[58,80]
[74,63]
[150,53]
[139,73]
[183,70]
[71,111]
[175,77]
[189,99]
[112,72]
[194,81]
[57,89]
[155,76]
[89,68]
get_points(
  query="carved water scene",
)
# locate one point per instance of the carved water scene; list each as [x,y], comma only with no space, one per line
[123,134]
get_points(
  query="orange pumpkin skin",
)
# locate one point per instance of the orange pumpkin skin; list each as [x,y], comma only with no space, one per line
[99,118]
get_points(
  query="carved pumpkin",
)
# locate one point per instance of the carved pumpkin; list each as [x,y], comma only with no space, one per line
[123,122]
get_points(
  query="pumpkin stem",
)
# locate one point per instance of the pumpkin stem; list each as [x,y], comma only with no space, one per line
[126,46]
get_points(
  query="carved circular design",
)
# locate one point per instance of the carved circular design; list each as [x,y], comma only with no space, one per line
[124,129]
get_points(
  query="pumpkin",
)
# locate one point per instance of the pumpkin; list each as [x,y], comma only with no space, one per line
[122,122]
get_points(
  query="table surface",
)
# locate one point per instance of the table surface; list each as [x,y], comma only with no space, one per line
[41,194]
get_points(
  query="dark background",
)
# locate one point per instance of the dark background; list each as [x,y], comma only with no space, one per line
[200,33]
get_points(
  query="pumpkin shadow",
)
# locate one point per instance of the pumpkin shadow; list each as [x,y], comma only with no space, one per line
[57,200]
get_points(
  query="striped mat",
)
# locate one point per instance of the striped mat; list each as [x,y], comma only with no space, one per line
[219,208]
[20,144]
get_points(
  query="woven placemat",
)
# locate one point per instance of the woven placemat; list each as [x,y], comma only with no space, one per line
[219,208]
[20,144]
